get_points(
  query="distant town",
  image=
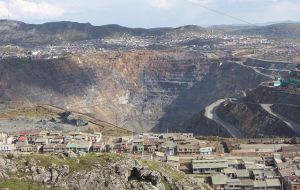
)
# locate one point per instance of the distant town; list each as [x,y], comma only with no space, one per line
[235,164]
[199,41]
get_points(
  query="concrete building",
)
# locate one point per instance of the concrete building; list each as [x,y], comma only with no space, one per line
[230,172]
[188,149]
[259,185]
[243,174]
[7,148]
[79,146]
[247,184]
[233,184]
[5,139]
[219,182]
[294,184]
[209,166]
[273,184]
[173,161]
[206,150]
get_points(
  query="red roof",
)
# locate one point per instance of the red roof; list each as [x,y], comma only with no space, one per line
[22,139]
[29,132]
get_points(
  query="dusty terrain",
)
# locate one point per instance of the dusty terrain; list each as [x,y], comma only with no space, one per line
[140,90]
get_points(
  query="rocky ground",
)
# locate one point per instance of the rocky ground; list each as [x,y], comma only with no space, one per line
[273,111]
[88,172]
[140,90]
[15,118]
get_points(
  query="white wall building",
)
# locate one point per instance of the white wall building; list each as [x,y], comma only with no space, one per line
[206,150]
[5,139]
[7,148]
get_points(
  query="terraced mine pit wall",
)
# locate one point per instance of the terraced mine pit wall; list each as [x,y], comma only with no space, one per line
[138,90]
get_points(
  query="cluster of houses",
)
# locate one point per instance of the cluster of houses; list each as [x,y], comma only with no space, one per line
[264,166]
[51,142]
[252,166]
[238,173]
[170,144]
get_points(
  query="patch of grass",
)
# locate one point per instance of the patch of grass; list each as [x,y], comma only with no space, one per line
[31,112]
[166,184]
[15,184]
[75,164]
[154,166]
[176,175]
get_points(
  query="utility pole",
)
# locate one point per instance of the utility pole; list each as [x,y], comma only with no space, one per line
[132,139]
[218,134]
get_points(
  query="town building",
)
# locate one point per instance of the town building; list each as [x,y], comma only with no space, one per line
[79,146]
[209,166]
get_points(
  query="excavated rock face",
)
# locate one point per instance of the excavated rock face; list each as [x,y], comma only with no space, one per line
[144,90]
[264,111]
[291,111]
[252,120]
[266,95]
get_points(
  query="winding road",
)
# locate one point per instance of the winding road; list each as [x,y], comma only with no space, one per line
[210,113]
[294,126]
[210,110]
[255,69]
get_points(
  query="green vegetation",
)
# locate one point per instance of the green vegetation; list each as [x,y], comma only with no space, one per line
[158,167]
[154,166]
[75,164]
[282,30]
[16,184]
[31,112]
[176,175]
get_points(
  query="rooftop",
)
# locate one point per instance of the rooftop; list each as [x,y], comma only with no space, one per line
[219,179]
[229,170]
[247,182]
[258,183]
[273,183]
[243,173]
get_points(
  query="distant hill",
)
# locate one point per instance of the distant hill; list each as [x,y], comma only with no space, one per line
[228,28]
[282,30]
[15,32]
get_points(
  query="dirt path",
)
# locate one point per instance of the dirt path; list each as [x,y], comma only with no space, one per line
[210,112]
[294,126]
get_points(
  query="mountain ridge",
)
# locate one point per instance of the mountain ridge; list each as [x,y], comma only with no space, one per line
[16,32]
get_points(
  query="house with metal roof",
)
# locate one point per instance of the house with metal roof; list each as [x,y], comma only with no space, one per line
[209,166]
[42,141]
[230,172]
[79,146]
[243,174]
[259,185]
[233,184]
[48,148]
[7,148]
[247,184]
[273,184]
[173,161]
[219,181]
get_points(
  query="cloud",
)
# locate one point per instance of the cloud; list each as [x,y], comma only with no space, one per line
[4,11]
[151,13]
[20,9]
[200,2]
[161,4]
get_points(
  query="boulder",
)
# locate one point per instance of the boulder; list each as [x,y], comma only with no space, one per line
[143,174]
[70,154]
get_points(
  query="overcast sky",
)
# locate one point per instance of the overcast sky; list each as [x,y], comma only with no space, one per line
[151,13]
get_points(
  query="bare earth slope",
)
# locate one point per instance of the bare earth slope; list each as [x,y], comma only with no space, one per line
[140,90]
